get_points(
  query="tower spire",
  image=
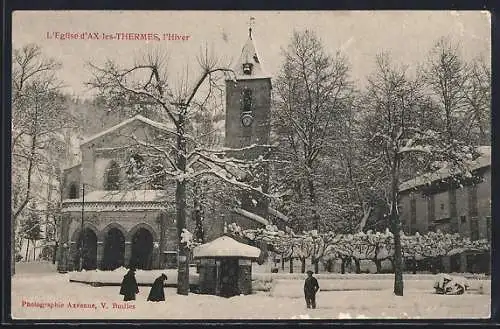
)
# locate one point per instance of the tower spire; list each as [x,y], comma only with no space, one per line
[250,24]
[249,65]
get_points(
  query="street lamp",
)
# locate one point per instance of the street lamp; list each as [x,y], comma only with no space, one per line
[82,236]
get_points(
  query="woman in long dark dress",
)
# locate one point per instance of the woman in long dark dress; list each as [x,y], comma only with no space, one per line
[129,286]
[157,294]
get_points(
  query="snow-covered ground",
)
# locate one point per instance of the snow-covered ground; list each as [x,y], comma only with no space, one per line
[50,295]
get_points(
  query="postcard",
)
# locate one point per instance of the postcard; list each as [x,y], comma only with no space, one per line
[246,165]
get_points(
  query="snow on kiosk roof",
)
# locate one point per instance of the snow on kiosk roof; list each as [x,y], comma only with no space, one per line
[225,247]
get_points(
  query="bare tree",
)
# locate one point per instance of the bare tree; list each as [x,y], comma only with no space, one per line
[399,138]
[478,98]
[145,85]
[312,90]
[38,115]
[446,74]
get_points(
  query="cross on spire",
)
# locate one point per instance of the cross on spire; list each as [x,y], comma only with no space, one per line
[251,22]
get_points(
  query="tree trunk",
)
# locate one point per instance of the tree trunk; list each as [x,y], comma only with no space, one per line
[283,262]
[316,265]
[303,265]
[366,214]
[199,233]
[312,198]
[414,265]
[342,265]
[396,229]
[54,252]
[34,249]
[291,264]
[180,201]
[26,198]
[378,264]
[329,266]
[358,265]
[27,250]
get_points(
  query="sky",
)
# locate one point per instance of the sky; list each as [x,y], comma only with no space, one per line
[359,35]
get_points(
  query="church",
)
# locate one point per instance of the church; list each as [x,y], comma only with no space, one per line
[122,226]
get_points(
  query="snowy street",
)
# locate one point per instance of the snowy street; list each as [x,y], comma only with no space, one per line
[61,298]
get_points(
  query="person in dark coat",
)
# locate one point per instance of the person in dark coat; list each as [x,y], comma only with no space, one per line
[311,287]
[157,294]
[129,285]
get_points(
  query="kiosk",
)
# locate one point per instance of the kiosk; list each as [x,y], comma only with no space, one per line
[225,267]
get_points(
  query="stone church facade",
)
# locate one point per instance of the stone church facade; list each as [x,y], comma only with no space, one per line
[135,226]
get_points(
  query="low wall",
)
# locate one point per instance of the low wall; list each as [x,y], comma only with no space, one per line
[353,276]
[143,278]
[286,284]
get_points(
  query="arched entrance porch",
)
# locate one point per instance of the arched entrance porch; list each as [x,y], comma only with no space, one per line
[142,249]
[89,251]
[114,249]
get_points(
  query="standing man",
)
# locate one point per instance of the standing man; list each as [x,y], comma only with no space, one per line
[311,287]
[129,285]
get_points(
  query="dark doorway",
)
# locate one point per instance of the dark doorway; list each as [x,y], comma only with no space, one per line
[89,250]
[229,278]
[142,250]
[114,250]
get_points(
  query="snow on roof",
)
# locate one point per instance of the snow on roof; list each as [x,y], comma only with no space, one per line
[250,55]
[138,117]
[278,214]
[251,216]
[484,160]
[225,247]
[123,196]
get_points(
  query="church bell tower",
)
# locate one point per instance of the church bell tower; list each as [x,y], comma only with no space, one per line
[248,114]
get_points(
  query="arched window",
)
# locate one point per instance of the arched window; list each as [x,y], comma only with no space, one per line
[246,100]
[112,177]
[73,191]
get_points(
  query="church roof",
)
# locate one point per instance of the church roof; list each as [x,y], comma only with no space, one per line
[138,117]
[249,54]
[225,247]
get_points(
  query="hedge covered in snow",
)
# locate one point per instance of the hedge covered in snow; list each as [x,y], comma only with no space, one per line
[374,246]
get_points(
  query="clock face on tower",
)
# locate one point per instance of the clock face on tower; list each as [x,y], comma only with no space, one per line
[247,120]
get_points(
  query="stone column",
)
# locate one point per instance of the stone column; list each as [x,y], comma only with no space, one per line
[245,276]
[62,265]
[128,253]
[100,254]
[217,277]
[71,255]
